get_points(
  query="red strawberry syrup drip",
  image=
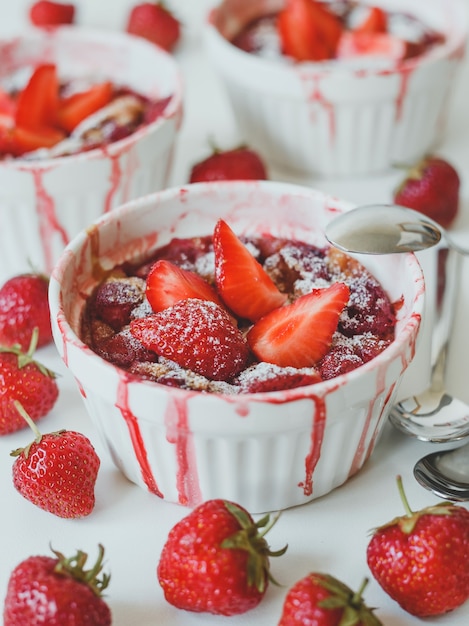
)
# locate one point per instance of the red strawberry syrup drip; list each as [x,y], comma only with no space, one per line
[115,179]
[317,436]
[405,74]
[315,95]
[136,438]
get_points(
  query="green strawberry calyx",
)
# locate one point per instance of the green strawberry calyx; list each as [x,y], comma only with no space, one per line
[37,433]
[250,539]
[354,610]
[408,521]
[26,358]
[74,567]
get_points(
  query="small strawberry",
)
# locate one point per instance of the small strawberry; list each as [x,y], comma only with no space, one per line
[39,100]
[242,282]
[26,381]
[216,560]
[421,559]
[308,30]
[195,334]
[167,284]
[431,187]
[300,334]
[322,600]
[240,163]
[24,306]
[46,13]
[57,471]
[45,590]
[155,22]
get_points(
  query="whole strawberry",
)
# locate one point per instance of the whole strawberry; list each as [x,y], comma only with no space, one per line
[57,471]
[322,600]
[215,560]
[241,163]
[24,305]
[421,559]
[57,591]
[24,380]
[155,22]
[431,187]
[46,13]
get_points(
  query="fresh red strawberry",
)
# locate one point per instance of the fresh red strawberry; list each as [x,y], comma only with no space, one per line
[196,334]
[57,471]
[57,590]
[431,187]
[322,600]
[216,560]
[421,559]
[155,22]
[167,284]
[242,282]
[26,381]
[308,30]
[17,141]
[76,108]
[24,306]
[376,21]
[46,13]
[241,163]
[300,334]
[38,102]
[268,377]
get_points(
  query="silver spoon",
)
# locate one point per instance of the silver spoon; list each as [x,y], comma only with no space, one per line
[433,415]
[445,473]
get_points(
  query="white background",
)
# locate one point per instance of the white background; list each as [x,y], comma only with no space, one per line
[328,535]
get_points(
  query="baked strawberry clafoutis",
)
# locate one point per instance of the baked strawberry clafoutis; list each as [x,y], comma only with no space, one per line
[233,315]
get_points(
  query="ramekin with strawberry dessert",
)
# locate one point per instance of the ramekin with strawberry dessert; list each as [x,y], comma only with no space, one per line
[209,374]
[338,88]
[88,120]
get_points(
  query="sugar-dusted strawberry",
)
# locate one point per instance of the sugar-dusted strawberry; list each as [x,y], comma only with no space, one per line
[26,381]
[38,102]
[115,299]
[431,187]
[300,334]
[47,13]
[75,108]
[241,163]
[24,306]
[376,21]
[216,560]
[196,334]
[421,559]
[319,599]
[46,590]
[243,284]
[263,377]
[57,471]
[308,30]
[155,22]
[167,284]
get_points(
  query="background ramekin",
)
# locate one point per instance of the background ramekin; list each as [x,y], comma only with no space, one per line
[43,204]
[327,119]
[266,451]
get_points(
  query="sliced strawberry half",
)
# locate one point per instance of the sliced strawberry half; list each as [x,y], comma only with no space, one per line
[363,43]
[167,284]
[375,22]
[38,102]
[300,334]
[17,141]
[77,107]
[242,282]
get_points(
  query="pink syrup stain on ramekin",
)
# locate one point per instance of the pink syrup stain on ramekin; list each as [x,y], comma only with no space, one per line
[114,180]
[316,439]
[312,87]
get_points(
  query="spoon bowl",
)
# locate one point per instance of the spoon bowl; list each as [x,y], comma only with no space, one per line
[445,473]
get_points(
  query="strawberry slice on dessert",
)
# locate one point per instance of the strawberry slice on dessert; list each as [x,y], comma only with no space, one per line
[77,107]
[375,22]
[18,140]
[38,102]
[300,334]
[242,282]
[167,284]
[359,43]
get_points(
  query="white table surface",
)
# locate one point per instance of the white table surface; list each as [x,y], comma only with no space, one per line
[329,534]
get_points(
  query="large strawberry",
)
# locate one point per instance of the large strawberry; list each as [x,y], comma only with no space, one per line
[195,334]
[421,559]
[46,13]
[431,187]
[300,334]
[242,163]
[322,600]
[242,282]
[155,22]
[216,560]
[24,306]
[24,380]
[59,591]
[57,471]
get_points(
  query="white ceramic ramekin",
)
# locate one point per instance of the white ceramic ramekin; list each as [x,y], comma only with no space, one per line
[332,119]
[266,451]
[43,204]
